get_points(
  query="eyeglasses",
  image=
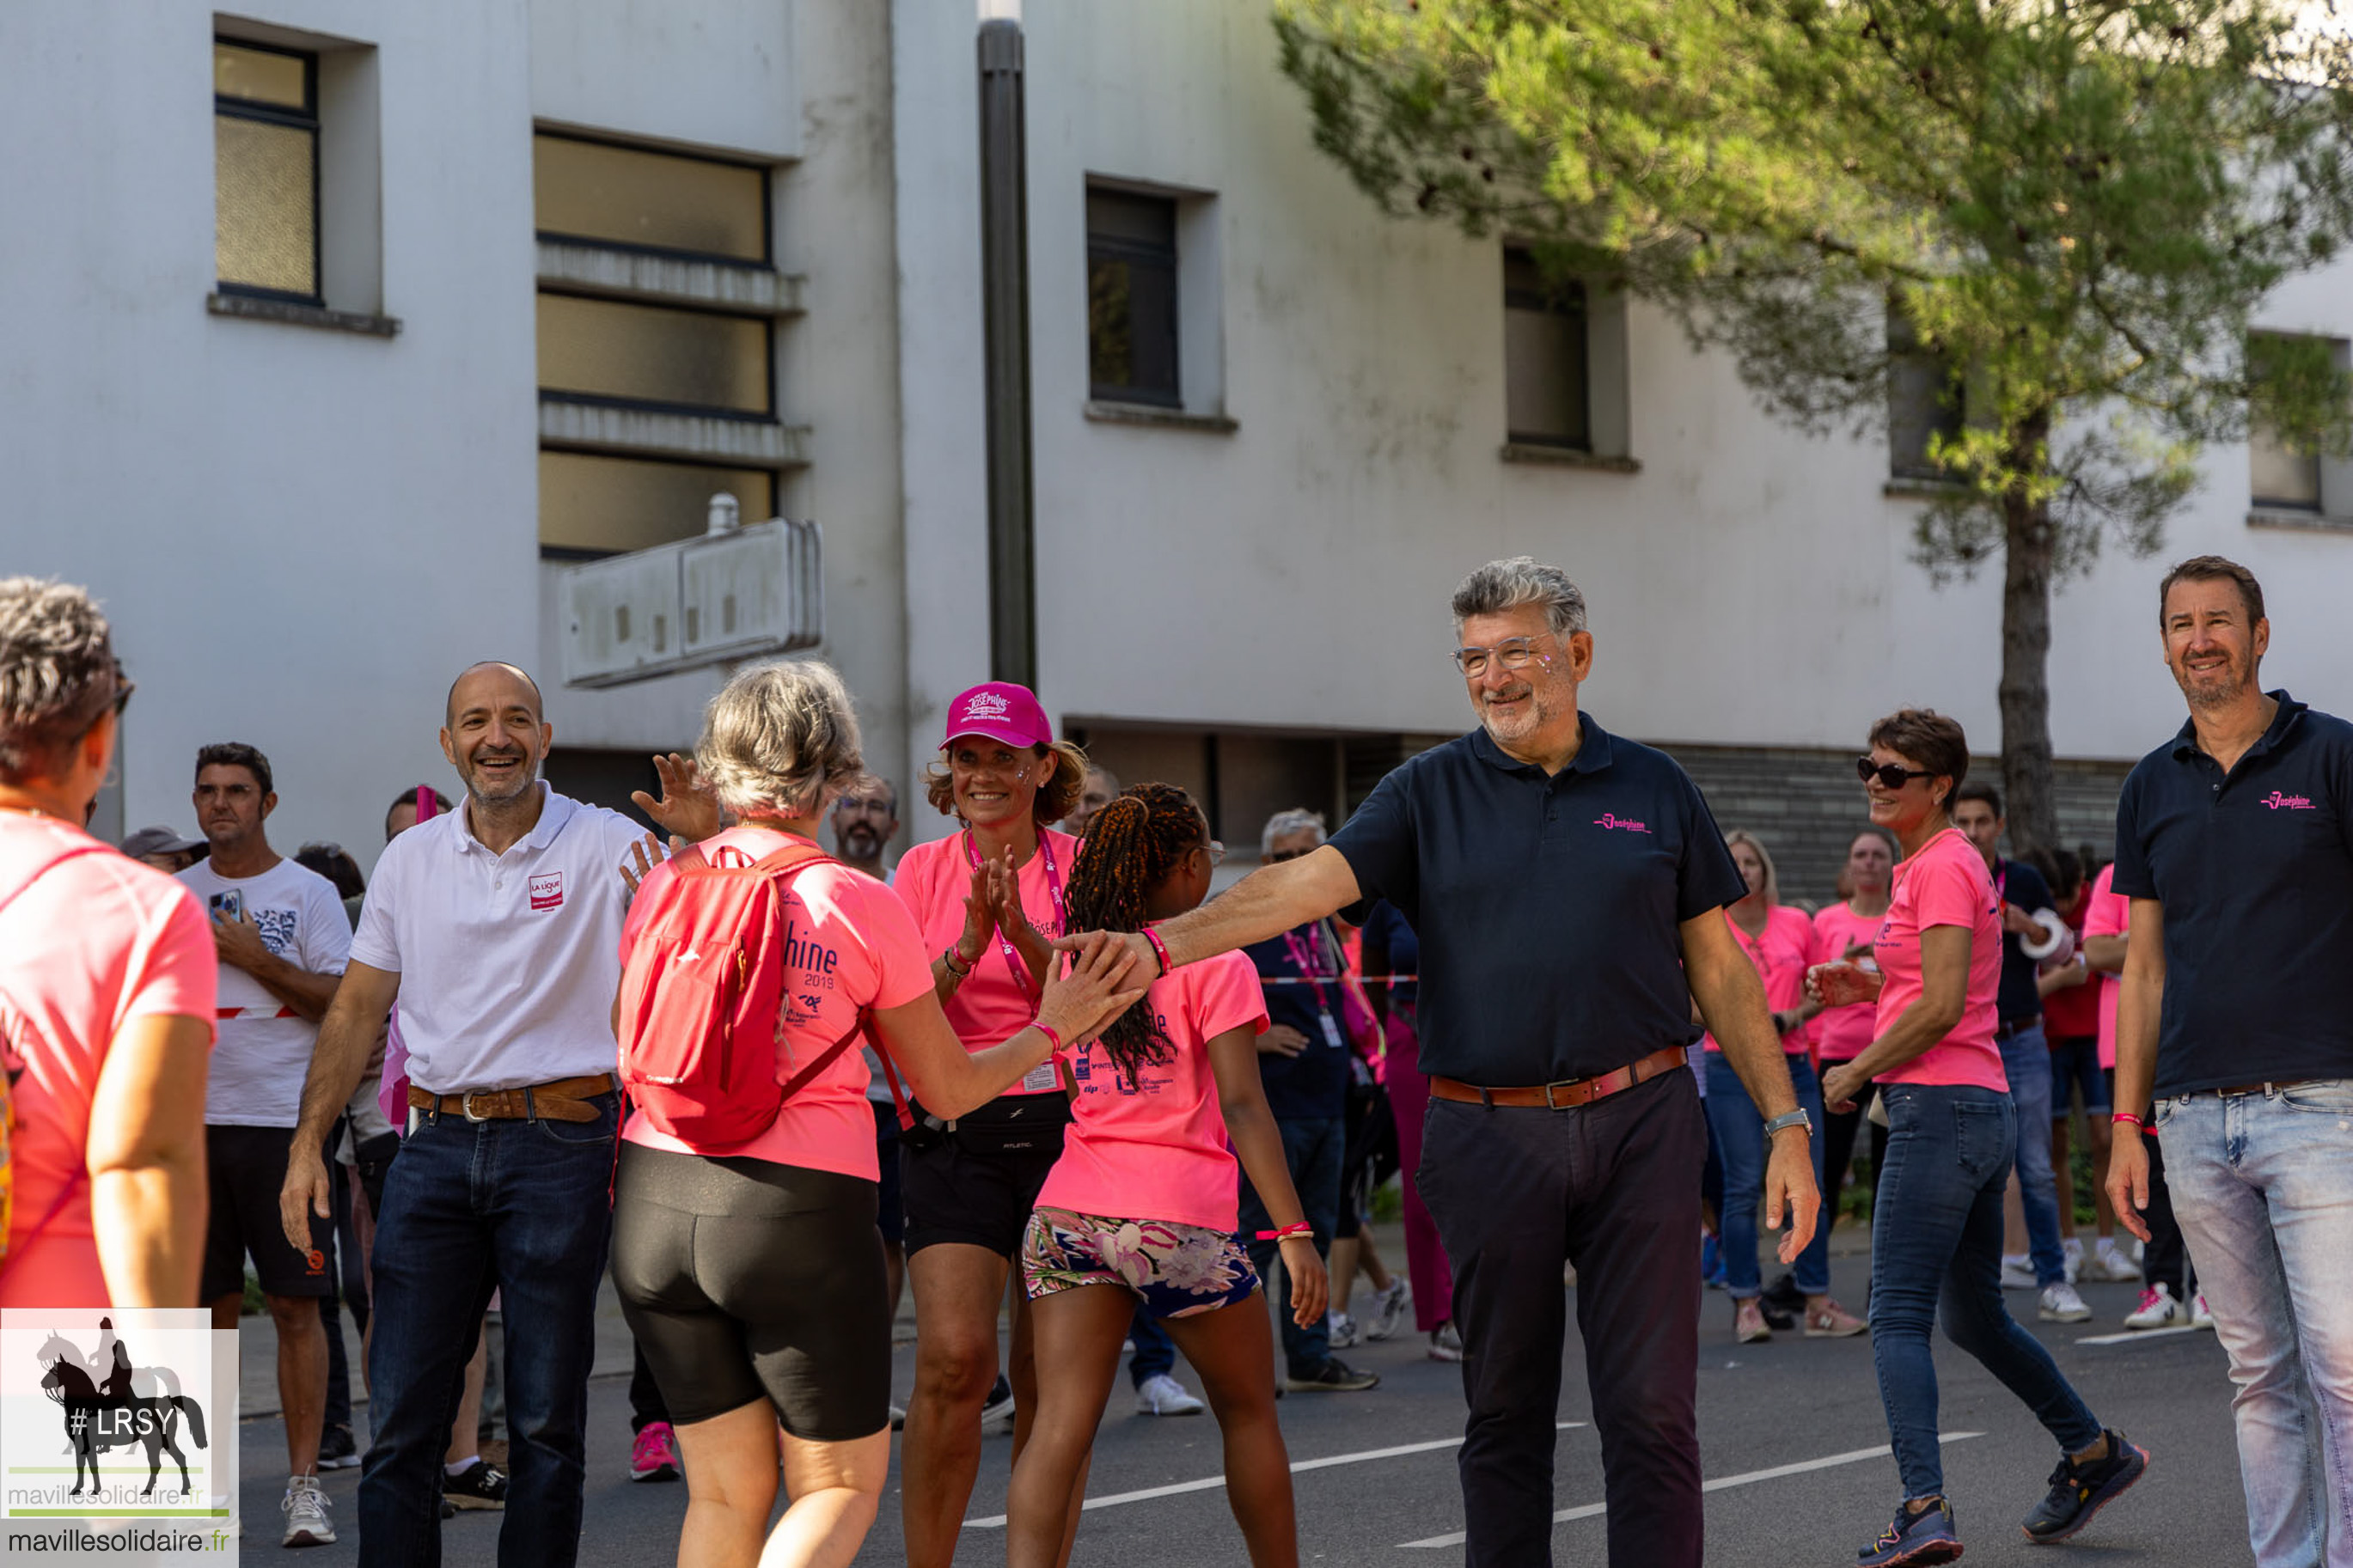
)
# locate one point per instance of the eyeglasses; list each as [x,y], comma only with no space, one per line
[1890,774]
[1512,653]
[1215,851]
[123,687]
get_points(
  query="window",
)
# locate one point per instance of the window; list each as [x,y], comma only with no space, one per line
[675,368]
[1547,372]
[653,200]
[266,170]
[1131,342]
[1923,402]
[651,354]
[593,504]
[2286,474]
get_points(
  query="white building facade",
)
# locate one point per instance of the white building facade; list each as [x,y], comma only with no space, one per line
[538,323]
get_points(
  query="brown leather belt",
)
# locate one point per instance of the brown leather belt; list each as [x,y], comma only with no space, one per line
[1568,1093]
[565,1099]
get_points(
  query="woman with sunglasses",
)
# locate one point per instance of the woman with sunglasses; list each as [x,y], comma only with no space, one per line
[1144,1199]
[1779,940]
[1935,1235]
[988,899]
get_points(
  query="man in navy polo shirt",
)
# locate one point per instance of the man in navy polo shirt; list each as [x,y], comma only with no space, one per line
[1568,887]
[2234,1043]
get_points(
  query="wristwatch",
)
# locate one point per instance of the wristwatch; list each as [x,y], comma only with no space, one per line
[1797,1118]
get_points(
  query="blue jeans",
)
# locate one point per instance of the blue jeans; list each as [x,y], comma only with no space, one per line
[2026,1059]
[1936,1240]
[523,1207]
[1739,1131]
[1156,1352]
[1311,1148]
[2262,1187]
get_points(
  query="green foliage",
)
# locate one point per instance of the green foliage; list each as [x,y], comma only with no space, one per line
[2075,208]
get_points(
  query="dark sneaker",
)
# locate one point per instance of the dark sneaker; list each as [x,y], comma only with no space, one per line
[1915,1539]
[999,1405]
[2079,1492]
[1334,1376]
[479,1485]
[337,1450]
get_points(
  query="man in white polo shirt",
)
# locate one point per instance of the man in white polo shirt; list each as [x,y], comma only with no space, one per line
[497,927]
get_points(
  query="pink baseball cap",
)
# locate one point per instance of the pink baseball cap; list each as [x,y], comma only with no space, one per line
[1002,711]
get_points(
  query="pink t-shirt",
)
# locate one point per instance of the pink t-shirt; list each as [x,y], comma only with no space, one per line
[855,948]
[1157,1149]
[95,942]
[1945,884]
[994,1003]
[2109,914]
[1843,1034]
[1781,955]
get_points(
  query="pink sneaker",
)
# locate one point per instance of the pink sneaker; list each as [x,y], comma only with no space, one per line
[654,1455]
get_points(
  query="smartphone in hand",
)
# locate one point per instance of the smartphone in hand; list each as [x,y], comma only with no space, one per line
[229,906]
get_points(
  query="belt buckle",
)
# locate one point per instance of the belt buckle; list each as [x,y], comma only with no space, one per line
[1564,1083]
[466,1106]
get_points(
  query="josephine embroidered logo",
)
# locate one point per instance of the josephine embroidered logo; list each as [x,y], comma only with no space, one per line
[1623,824]
[2279,802]
[986,707]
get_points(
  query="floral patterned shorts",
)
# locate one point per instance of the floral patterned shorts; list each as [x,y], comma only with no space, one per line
[1177,1269]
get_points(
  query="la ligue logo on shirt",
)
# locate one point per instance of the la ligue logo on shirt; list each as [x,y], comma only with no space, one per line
[547,891]
[109,1387]
[986,707]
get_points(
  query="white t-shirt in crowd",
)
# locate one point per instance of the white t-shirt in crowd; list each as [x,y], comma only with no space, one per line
[265,1046]
[508,964]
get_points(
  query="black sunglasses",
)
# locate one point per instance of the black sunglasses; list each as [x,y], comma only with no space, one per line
[1889,774]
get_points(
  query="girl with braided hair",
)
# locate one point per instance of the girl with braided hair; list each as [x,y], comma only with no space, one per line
[1145,1196]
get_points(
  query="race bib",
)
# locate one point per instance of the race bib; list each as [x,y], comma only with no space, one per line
[1040,1079]
[1331,1031]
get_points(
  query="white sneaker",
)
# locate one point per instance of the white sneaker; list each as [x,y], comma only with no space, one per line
[2106,1265]
[2060,1304]
[2017,1274]
[305,1508]
[1341,1330]
[2158,1308]
[1161,1395]
[2200,1318]
[2072,1249]
[1445,1343]
[1389,1310]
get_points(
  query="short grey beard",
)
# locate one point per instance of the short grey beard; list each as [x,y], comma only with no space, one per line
[494,802]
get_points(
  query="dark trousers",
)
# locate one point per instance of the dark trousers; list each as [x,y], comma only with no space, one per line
[1156,1352]
[1839,1128]
[1612,1187]
[352,1288]
[522,1207]
[1312,1148]
[646,1405]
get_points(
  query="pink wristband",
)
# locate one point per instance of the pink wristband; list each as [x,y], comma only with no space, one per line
[2128,1116]
[1297,1228]
[1048,1030]
[1159,951]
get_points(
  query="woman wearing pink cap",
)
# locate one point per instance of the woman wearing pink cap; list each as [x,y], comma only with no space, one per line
[988,900]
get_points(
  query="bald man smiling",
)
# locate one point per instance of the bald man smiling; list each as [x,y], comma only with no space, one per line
[497,927]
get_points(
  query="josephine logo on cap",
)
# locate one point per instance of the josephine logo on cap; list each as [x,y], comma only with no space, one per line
[1002,711]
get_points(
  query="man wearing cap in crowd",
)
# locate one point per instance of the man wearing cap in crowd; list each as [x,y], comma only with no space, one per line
[498,927]
[163,849]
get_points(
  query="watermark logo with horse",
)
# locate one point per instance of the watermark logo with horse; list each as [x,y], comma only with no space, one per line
[117,1414]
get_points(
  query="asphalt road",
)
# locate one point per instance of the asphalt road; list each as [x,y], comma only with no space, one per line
[1787,1432]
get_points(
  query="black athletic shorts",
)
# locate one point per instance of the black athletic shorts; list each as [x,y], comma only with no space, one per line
[892,1216]
[743,1279]
[968,1187]
[374,1160]
[245,1169]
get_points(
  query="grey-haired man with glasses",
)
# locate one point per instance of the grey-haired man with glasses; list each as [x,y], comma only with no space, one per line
[1568,889]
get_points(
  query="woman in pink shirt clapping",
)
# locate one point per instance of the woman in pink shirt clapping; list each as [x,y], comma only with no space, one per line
[1144,1197]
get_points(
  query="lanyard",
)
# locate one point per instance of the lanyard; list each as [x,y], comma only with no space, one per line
[1754,949]
[1053,886]
[1311,965]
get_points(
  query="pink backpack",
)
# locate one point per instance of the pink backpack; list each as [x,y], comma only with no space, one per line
[703,1008]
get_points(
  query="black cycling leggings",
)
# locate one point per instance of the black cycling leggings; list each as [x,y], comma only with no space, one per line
[743,1279]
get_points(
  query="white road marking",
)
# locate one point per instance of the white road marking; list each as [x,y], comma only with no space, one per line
[2135,1336]
[1210,1483]
[1593,1509]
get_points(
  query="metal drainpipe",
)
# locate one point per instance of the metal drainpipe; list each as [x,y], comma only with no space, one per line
[1005,318]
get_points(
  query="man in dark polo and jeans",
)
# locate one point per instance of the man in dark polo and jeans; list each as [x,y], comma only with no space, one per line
[2234,1044]
[497,927]
[1568,886]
